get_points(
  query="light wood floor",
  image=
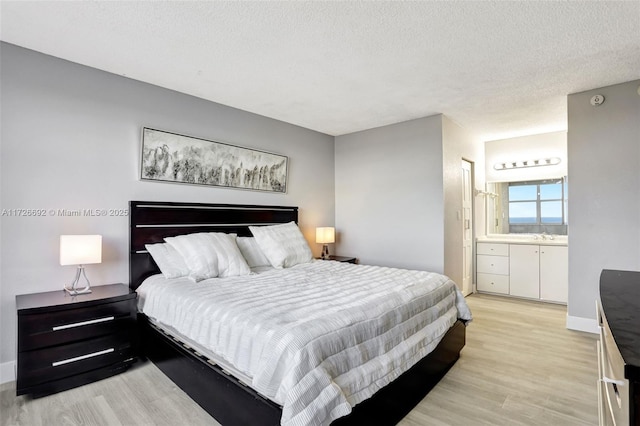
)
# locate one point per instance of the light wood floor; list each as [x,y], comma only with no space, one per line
[520,367]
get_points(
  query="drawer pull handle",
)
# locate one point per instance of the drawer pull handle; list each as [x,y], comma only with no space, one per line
[80,358]
[616,394]
[612,381]
[80,324]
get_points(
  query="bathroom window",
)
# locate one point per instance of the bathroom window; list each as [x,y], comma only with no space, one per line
[538,202]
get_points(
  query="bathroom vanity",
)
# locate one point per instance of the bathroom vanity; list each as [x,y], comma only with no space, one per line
[523,265]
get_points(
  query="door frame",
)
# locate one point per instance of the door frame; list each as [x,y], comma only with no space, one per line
[471,286]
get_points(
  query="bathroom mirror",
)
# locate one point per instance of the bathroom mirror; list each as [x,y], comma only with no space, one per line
[529,207]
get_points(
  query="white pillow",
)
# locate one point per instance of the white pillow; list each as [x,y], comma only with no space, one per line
[251,251]
[283,245]
[169,261]
[231,263]
[210,255]
[198,253]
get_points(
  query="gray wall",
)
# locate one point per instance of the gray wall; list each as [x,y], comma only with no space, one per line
[389,195]
[71,140]
[604,193]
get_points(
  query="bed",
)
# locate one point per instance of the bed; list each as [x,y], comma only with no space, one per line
[230,386]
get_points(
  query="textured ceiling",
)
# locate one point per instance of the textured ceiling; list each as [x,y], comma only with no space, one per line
[500,69]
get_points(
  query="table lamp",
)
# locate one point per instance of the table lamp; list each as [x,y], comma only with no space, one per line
[80,250]
[325,236]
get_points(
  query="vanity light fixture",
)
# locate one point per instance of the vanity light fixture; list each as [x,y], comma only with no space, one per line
[508,165]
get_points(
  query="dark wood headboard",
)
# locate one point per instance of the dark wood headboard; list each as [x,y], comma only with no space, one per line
[151,221]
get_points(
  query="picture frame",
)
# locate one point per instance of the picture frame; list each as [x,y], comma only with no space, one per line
[176,158]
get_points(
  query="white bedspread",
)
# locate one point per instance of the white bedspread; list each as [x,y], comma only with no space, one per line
[317,338]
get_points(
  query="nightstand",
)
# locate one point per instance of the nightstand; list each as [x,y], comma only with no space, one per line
[344,259]
[66,341]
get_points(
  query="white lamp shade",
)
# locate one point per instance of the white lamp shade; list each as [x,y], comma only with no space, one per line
[80,249]
[325,235]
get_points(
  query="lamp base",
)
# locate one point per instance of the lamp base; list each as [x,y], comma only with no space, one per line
[325,252]
[74,290]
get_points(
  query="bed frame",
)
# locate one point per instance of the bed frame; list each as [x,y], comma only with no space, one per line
[227,399]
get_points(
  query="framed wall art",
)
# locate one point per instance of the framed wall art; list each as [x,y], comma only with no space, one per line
[170,157]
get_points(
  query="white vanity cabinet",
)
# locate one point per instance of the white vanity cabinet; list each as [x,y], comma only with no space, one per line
[554,273]
[524,264]
[533,271]
[492,263]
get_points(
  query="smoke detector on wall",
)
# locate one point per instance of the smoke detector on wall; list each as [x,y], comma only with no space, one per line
[597,100]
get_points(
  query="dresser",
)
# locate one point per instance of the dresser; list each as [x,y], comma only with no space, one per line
[66,341]
[618,315]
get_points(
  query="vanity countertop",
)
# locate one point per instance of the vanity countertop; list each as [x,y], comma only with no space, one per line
[558,240]
[620,298]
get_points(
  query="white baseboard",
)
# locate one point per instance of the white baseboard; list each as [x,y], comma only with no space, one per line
[7,372]
[582,324]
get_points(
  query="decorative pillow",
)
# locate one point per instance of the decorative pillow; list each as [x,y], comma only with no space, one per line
[283,245]
[231,263]
[251,251]
[210,255]
[198,253]
[169,261]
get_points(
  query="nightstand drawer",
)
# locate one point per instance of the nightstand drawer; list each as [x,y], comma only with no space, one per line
[44,365]
[48,329]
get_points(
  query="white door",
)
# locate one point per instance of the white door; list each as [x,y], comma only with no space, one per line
[467,229]
[524,270]
[554,273]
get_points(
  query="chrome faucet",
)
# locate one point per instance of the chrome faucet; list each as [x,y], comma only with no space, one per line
[543,236]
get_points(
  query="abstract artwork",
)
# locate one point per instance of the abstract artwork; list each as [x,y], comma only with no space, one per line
[169,157]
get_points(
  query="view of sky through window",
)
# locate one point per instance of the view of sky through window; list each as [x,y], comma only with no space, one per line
[536,203]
